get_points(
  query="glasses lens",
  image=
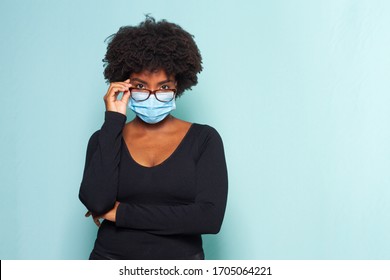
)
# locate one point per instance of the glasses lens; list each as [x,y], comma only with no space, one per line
[165,95]
[139,94]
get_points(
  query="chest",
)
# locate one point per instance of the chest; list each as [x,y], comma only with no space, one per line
[159,168]
[150,152]
[171,182]
[153,149]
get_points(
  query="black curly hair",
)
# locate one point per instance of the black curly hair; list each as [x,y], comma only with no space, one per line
[152,46]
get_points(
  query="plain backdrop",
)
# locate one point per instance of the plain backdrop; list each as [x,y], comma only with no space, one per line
[298,90]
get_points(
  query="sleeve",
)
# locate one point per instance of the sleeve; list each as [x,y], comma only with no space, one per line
[99,185]
[204,215]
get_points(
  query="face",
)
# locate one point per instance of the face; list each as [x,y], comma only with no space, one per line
[158,83]
[152,80]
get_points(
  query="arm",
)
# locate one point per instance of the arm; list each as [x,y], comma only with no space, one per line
[98,189]
[204,215]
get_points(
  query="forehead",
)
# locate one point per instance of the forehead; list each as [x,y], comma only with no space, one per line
[153,76]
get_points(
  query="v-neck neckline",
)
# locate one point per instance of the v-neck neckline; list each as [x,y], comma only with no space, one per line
[166,159]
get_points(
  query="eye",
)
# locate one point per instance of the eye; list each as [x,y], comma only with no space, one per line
[164,87]
[140,86]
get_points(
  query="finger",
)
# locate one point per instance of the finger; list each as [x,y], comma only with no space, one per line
[97,222]
[126,97]
[117,90]
[113,93]
[125,84]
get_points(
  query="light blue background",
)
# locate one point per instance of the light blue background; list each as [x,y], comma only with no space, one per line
[299,91]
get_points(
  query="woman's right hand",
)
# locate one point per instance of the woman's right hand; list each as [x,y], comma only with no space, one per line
[111,101]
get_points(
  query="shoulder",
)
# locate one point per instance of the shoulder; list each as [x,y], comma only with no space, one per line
[205,130]
[206,135]
[207,142]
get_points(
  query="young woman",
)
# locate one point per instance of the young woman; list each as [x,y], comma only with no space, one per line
[157,182]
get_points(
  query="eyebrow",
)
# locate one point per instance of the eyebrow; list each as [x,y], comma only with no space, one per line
[144,82]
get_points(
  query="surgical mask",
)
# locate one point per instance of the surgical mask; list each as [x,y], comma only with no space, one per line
[151,110]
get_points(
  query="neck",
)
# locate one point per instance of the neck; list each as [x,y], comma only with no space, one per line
[153,127]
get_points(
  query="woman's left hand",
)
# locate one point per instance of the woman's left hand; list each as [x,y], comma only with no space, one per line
[110,215]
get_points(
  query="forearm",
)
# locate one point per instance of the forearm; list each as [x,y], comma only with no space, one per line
[195,218]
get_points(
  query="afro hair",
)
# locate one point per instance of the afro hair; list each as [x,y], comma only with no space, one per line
[153,46]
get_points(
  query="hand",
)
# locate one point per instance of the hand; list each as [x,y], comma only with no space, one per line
[110,215]
[111,101]
[96,219]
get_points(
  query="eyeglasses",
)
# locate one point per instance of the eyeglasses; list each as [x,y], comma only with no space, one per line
[162,95]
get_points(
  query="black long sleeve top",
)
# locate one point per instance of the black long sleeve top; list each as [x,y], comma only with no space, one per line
[163,209]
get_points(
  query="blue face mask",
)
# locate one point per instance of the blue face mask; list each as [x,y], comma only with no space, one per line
[151,110]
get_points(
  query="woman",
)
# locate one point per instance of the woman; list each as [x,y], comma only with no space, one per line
[157,182]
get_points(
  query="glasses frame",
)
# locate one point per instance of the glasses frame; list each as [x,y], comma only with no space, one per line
[153,92]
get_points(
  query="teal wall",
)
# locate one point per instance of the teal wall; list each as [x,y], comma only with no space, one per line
[299,91]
